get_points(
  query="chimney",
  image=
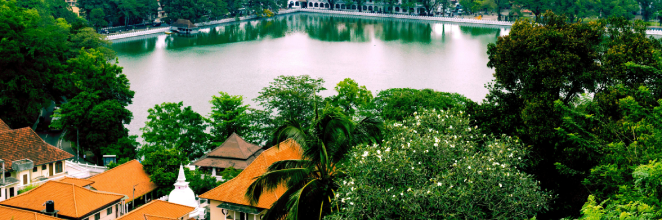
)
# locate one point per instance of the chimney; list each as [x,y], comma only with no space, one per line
[50,208]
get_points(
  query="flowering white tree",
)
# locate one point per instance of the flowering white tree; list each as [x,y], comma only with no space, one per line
[435,166]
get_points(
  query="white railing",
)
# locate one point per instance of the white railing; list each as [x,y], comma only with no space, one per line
[654,32]
[89,166]
[136,33]
[406,16]
[326,11]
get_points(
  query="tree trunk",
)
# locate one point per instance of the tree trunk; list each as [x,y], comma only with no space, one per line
[498,9]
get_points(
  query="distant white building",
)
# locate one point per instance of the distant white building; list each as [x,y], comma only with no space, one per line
[368,6]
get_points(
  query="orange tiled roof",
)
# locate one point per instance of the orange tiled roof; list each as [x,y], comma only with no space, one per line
[24,143]
[151,217]
[4,127]
[76,181]
[122,178]
[157,209]
[233,190]
[72,201]
[18,214]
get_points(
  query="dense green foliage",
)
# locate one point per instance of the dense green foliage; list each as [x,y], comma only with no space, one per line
[33,58]
[97,110]
[230,115]
[173,126]
[580,144]
[435,165]
[293,97]
[101,13]
[311,181]
[351,97]
[399,103]
[47,59]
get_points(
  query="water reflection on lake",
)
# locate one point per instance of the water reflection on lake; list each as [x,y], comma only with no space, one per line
[243,57]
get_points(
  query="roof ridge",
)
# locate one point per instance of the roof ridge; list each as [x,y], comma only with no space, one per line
[108,171]
[237,139]
[73,189]
[158,216]
[154,201]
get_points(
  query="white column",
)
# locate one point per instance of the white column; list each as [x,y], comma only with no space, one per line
[226,214]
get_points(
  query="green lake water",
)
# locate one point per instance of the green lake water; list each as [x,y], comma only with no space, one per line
[243,57]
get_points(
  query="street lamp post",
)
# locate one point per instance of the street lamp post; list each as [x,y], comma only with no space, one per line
[77,147]
[133,200]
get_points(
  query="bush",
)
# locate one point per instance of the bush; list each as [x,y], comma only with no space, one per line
[398,103]
[435,166]
[27,188]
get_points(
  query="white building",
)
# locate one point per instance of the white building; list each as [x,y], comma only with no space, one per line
[27,159]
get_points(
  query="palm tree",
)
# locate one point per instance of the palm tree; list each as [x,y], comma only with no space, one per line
[311,181]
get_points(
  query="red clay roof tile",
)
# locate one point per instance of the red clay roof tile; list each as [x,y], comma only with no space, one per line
[122,178]
[72,201]
[4,127]
[24,143]
[19,214]
[76,181]
[233,190]
[157,209]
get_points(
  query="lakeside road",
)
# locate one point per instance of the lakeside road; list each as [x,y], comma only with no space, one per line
[163,28]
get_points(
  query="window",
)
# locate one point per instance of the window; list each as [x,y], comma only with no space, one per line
[34,169]
[109,211]
[58,167]
[97,216]
[11,192]
[43,167]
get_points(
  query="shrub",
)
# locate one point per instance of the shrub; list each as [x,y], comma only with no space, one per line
[435,166]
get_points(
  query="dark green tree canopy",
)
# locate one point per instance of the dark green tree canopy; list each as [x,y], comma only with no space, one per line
[292,98]
[173,126]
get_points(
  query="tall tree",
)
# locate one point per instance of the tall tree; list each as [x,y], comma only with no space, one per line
[292,97]
[228,115]
[311,181]
[618,8]
[534,67]
[33,54]
[97,18]
[351,96]
[173,126]
[98,109]
[537,7]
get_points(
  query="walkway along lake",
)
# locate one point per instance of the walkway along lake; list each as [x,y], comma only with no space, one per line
[243,57]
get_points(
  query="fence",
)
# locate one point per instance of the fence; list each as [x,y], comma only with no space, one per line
[339,12]
[414,17]
[95,168]
[137,33]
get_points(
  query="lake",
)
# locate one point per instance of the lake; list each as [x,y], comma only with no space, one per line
[241,58]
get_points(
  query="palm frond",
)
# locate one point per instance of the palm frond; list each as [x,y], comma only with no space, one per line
[287,164]
[270,181]
[295,203]
[279,209]
[290,130]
